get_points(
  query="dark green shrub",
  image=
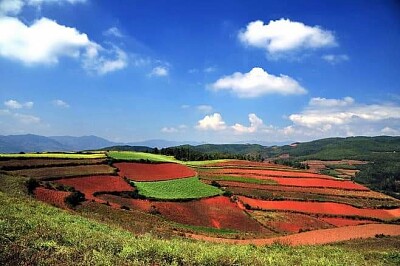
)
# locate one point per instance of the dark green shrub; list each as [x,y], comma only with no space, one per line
[215,184]
[75,198]
[31,184]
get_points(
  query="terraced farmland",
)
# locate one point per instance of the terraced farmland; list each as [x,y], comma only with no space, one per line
[227,198]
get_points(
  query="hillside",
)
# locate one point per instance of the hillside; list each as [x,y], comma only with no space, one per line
[118,219]
[357,148]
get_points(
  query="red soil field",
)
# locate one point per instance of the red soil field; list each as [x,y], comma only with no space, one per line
[246,164]
[217,212]
[153,172]
[91,184]
[289,222]
[316,237]
[274,173]
[313,182]
[53,197]
[344,222]
[322,191]
[329,208]
[133,204]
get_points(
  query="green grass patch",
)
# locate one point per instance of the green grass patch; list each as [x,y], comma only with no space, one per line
[207,230]
[206,162]
[330,172]
[137,156]
[54,155]
[342,166]
[241,179]
[177,189]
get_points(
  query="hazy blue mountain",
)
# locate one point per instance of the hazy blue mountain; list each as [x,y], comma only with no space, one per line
[161,143]
[29,143]
[84,142]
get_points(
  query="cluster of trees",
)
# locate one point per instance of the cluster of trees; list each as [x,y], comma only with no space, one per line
[189,154]
[382,175]
[292,163]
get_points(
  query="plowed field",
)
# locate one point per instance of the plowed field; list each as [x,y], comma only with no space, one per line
[154,172]
[92,184]
[328,208]
[53,197]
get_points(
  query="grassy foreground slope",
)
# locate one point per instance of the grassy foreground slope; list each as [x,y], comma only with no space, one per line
[34,233]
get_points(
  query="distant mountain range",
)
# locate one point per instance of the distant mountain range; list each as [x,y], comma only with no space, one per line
[326,149]
[36,143]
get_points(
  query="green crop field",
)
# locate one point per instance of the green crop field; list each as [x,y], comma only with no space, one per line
[54,155]
[206,162]
[185,188]
[137,156]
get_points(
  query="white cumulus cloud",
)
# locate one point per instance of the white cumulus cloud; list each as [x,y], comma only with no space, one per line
[255,124]
[46,41]
[345,114]
[13,104]
[256,83]
[211,122]
[283,35]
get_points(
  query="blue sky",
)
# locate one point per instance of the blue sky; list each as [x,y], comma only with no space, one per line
[213,71]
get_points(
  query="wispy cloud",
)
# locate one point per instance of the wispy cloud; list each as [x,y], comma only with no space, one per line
[60,103]
[113,31]
[13,104]
[159,71]
[335,58]
[204,108]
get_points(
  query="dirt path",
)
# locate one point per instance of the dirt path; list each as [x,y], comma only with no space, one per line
[322,236]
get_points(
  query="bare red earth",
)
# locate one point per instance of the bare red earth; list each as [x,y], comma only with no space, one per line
[323,191]
[92,184]
[133,204]
[154,172]
[329,208]
[316,237]
[242,163]
[287,222]
[53,197]
[217,212]
[344,222]
[274,173]
[312,182]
